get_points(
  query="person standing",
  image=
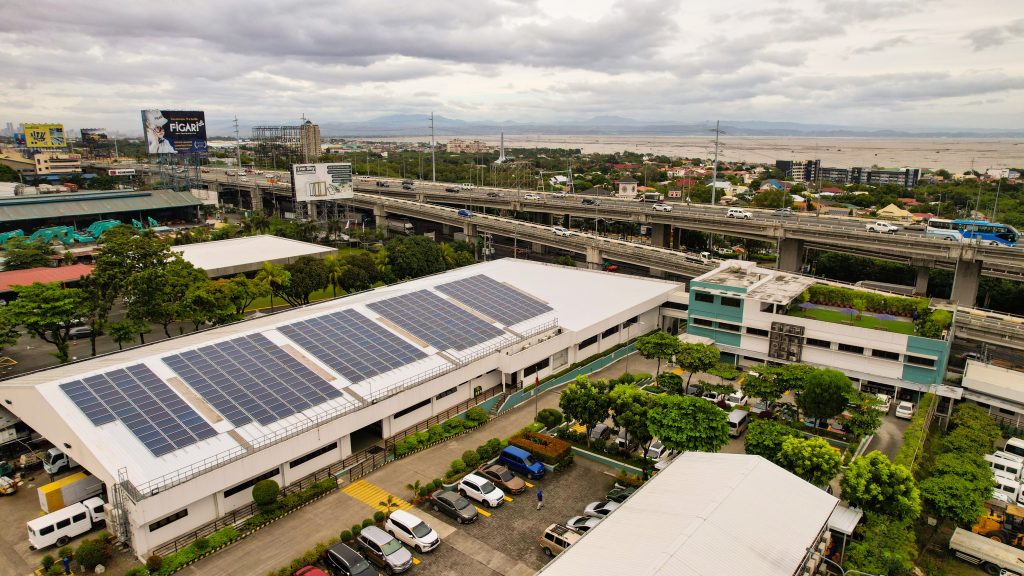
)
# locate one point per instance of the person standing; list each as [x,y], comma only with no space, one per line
[540,499]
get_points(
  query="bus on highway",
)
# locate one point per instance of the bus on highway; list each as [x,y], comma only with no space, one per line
[992,234]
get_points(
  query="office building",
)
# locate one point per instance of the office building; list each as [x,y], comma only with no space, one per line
[309,142]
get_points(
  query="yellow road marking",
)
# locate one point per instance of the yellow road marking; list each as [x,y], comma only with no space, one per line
[579,428]
[369,494]
[508,498]
[528,485]
[483,512]
[415,561]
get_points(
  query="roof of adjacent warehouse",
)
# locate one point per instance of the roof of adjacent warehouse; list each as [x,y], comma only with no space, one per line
[575,299]
[706,515]
[44,274]
[247,254]
[78,204]
[994,381]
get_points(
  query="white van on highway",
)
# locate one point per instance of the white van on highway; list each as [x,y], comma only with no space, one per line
[739,213]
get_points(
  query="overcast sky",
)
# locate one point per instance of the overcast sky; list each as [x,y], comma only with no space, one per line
[927,64]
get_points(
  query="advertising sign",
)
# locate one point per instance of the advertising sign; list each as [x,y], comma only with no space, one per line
[322,181]
[44,136]
[174,131]
[121,172]
[94,136]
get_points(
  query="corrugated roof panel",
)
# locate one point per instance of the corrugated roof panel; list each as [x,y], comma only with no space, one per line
[91,203]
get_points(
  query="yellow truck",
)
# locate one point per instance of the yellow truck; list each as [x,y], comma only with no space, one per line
[68,490]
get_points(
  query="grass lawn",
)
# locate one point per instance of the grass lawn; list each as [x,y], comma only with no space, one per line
[280,304]
[836,317]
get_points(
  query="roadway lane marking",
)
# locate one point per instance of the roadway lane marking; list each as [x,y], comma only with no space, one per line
[415,561]
[482,512]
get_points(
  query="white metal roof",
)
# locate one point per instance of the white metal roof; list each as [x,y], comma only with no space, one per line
[844,519]
[994,381]
[228,257]
[706,515]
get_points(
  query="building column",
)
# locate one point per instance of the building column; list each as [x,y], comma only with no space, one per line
[594,260]
[257,200]
[446,229]
[380,218]
[469,229]
[656,273]
[537,248]
[659,235]
[677,234]
[965,282]
[921,283]
[791,254]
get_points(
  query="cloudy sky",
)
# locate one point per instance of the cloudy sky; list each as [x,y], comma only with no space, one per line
[923,64]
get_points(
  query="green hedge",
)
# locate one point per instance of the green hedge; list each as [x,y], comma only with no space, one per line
[173,562]
[914,435]
[289,503]
[450,427]
[873,302]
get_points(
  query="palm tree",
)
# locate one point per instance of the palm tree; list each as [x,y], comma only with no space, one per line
[335,269]
[415,489]
[273,277]
[448,253]
[388,505]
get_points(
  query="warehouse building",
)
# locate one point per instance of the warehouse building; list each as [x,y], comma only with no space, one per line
[247,254]
[179,430]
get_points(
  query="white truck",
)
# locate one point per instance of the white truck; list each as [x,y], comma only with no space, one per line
[68,490]
[54,461]
[882,227]
[58,528]
[400,226]
[992,556]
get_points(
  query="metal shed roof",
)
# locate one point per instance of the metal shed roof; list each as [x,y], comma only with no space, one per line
[70,205]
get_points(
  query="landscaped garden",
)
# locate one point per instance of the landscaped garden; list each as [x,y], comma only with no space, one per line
[911,316]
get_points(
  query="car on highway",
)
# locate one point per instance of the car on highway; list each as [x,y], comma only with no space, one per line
[582,524]
[503,478]
[559,194]
[482,490]
[465,213]
[453,189]
[739,213]
[454,506]
[600,509]
[591,202]
[493,194]
[662,207]
[881,227]
[561,231]
[905,410]
[383,184]
[782,212]
[531,196]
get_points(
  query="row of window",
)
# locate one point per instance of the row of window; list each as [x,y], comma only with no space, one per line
[168,519]
[710,299]
[250,482]
[412,408]
[314,454]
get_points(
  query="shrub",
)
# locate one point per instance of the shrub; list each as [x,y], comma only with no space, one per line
[435,484]
[367,522]
[137,571]
[202,544]
[458,467]
[55,570]
[378,517]
[547,449]
[47,561]
[346,535]
[356,529]
[725,371]
[65,552]
[154,563]
[453,426]
[265,493]
[89,554]
[434,433]
[478,415]
[470,458]
[549,417]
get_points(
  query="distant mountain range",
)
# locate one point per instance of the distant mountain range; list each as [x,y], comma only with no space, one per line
[418,125]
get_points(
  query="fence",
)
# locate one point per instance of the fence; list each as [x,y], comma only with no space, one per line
[461,407]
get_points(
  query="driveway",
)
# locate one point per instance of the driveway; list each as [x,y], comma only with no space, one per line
[889,437]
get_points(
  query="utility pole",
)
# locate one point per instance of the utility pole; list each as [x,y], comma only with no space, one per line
[238,145]
[433,162]
[996,205]
[714,167]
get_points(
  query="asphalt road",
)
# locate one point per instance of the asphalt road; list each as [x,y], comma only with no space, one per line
[889,437]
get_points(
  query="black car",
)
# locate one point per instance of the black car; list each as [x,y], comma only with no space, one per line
[452,189]
[383,184]
[454,506]
[591,202]
[343,560]
[620,493]
[406,186]
[494,194]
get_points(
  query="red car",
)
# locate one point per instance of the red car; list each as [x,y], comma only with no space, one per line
[310,571]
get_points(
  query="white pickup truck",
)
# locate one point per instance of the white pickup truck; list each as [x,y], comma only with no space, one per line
[883,227]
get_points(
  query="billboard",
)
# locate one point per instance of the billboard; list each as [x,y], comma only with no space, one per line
[45,136]
[121,172]
[94,137]
[174,131]
[322,181]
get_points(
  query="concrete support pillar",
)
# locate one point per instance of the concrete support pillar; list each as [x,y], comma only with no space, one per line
[921,283]
[257,200]
[656,273]
[677,234]
[594,259]
[659,235]
[446,229]
[791,254]
[380,218]
[470,230]
[965,282]
[537,248]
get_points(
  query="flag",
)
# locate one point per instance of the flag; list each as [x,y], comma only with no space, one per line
[536,381]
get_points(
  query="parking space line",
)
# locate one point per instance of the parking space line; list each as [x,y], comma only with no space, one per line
[369,494]
[415,561]
[528,485]
[483,512]
[508,498]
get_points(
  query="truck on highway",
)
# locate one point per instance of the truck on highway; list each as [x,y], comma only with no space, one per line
[58,528]
[68,490]
[400,226]
[54,461]
[989,554]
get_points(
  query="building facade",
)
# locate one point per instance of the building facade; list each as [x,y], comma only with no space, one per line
[57,163]
[458,145]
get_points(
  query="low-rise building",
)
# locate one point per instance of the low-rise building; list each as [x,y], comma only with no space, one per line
[57,163]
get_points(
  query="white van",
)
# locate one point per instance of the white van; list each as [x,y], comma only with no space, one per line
[738,420]
[739,213]
[58,528]
[1007,489]
[1007,456]
[1004,466]
[1015,446]
[466,186]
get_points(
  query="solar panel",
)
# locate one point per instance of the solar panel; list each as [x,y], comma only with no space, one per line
[352,345]
[494,299]
[250,378]
[435,320]
[144,403]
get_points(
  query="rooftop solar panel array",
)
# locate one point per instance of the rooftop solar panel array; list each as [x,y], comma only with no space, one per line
[435,320]
[496,300]
[250,378]
[352,345]
[146,405]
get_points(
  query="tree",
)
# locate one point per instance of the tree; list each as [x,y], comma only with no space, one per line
[265,492]
[123,332]
[48,311]
[825,393]
[765,437]
[8,174]
[630,407]
[586,402]
[687,423]
[242,291]
[360,272]
[956,498]
[697,358]
[887,546]
[864,417]
[273,278]
[414,256]
[549,417]
[773,199]
[306,275]
[875,484]
[788,376]
[812,459]
[670,382]
[660,345]
[208,302]
[974,417]
[161,294]
[335,267]
[20,253]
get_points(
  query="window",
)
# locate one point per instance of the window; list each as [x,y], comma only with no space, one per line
[447,392]
[63,523]
[315,453]
[630,322]
[703,297]
[757,332]
[819,343]
[921,361]
[78,517]
[168,519]
[560,358]
[244,485]
[702,322]
[729,327]
[730,302]
[46,530]
[676,306]
[885,354]
[851,348]
[589,342]
[531,370]
[412,408]
[610,331]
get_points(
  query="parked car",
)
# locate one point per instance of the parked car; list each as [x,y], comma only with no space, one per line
[885,402]
[309,571]
[582,524]
[662,207]
[384,550]
[657,450]
[883,227]
[561,231]
[591,202]
[453,506]
[521,462]
[618,494]
[531,196]
[503,478]
[905,410]
[557,538]
[81,332]
[342,559]
[482,490]
[412,531]
[600,431]
[737,398]
[713,397]
[600,509]
[739,213]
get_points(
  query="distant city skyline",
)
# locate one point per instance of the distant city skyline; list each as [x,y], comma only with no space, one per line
[922,65]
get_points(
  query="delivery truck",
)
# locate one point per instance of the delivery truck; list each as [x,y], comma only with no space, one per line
[54,461]
[400,226]
[68,490]
[58,528]
[992,556]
